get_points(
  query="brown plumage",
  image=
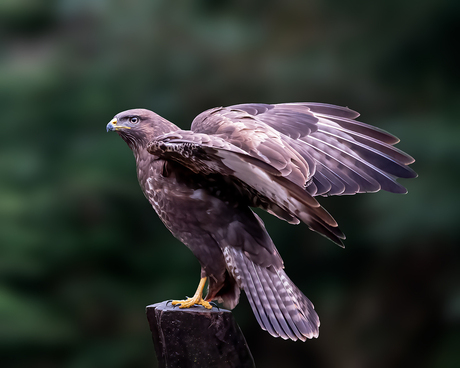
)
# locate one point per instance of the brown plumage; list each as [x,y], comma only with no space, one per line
[202,183]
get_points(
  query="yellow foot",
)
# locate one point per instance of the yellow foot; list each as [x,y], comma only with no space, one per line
[190,302]
[196,299]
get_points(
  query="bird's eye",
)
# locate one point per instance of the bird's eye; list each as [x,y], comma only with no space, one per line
[134,120]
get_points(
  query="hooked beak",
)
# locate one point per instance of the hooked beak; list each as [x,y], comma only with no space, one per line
[113,125]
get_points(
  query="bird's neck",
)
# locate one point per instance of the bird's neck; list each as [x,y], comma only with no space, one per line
[141,154]
[145,161]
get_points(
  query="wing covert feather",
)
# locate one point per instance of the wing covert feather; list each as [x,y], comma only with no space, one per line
[343,155]
[264,185]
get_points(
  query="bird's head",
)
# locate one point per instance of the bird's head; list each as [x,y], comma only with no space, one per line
[138,127]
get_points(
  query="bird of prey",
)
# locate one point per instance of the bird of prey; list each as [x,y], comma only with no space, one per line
[203,182]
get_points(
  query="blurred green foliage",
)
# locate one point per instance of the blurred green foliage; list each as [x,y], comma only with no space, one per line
[82,252]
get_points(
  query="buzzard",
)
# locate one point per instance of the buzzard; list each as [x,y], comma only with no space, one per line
[203,182]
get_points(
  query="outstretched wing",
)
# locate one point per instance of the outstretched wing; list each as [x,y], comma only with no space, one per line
[262,184]
[338,155]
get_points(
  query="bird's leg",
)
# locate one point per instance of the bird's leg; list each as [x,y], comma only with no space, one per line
[196,299]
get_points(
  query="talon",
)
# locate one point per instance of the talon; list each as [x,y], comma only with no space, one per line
[196,299]
[214,305]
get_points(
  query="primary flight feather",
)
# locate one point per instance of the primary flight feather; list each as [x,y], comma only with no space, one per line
[203,182]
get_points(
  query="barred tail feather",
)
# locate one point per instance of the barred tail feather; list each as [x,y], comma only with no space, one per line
[278,305]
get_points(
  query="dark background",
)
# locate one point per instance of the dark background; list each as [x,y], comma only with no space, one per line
[82,252]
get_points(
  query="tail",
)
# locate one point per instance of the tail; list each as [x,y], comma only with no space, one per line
[278,305]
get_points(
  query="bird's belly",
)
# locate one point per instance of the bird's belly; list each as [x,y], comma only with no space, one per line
[194,218]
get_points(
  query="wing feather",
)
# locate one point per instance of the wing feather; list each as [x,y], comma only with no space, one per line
[282,155]
[263,185]
[339,155]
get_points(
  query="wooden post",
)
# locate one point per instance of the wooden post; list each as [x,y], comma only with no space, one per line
[197,337]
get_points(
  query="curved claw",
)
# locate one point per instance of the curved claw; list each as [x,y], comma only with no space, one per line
[214,305]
